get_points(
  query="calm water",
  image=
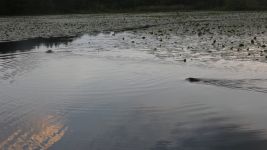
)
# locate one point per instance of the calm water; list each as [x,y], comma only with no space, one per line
[86,96]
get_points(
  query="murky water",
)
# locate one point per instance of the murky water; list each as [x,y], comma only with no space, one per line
[114,91]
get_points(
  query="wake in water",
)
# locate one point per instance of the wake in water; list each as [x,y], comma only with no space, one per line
[257,85]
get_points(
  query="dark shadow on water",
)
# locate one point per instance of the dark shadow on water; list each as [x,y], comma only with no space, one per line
[257,85]
[212,131]
[213,135]
[216,137]
[29,44]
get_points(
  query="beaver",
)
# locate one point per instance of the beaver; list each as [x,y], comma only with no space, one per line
[193,79]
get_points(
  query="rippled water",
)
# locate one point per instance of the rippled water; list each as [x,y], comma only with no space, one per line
[103,92]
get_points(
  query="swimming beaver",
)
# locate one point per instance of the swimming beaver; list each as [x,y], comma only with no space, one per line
[193,79]
[49,51]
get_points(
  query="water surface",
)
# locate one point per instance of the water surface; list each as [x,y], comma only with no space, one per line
[105,92]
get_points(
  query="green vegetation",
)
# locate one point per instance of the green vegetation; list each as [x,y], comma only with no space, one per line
[16,7]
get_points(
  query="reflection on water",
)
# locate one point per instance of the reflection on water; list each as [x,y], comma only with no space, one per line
[17,57]
[29,44]
[42,136]
[123,98]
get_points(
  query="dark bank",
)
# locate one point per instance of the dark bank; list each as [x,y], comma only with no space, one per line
[19,7]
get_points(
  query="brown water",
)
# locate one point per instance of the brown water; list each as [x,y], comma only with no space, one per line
[100,92]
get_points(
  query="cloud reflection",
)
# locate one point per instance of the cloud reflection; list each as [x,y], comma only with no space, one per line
[43,137]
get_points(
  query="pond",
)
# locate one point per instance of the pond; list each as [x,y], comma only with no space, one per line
[132,89]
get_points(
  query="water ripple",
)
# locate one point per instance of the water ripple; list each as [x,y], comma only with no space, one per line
[257,85]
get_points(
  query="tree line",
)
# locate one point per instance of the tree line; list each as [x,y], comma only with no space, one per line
[16,7]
